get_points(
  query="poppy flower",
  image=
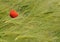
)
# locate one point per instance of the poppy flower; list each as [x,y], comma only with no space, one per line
[13,14]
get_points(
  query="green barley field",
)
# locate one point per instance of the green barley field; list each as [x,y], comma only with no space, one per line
[38,21]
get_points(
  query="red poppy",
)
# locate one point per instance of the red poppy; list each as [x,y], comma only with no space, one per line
[13,14]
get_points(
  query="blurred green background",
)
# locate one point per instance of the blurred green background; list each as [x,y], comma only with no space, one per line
[38,21]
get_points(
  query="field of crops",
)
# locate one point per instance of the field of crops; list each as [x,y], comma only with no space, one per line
[38,21]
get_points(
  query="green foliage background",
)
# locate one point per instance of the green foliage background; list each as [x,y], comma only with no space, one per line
[38,21]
